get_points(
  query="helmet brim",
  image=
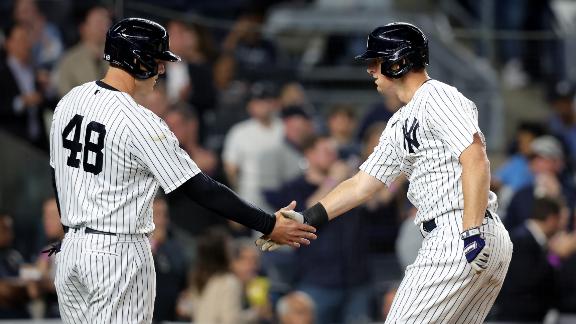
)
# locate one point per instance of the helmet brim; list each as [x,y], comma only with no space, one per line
[368,55]
[168,56]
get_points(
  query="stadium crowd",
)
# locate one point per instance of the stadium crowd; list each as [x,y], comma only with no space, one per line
[263,137]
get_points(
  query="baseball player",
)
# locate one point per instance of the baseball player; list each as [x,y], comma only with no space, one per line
[436,142]
[109,156]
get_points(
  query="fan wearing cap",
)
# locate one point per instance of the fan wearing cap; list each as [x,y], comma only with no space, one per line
[547,164]
[247,141]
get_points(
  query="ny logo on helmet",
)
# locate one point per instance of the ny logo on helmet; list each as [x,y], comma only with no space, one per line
[410,139]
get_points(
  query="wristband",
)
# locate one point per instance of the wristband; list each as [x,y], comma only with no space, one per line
[316,216]
[470,232]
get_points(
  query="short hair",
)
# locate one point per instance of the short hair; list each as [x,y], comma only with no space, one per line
[534,128]
[345,109]
[311,141]
[9,29]
[544,207]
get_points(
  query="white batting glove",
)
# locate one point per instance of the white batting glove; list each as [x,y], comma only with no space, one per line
[266,244]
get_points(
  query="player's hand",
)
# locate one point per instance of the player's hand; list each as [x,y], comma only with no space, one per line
[288,230]
[476,250]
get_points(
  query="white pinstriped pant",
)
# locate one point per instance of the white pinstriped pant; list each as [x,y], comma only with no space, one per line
[441,287]
[105,279]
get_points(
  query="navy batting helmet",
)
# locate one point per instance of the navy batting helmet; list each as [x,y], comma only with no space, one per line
[135,45]
[401,46]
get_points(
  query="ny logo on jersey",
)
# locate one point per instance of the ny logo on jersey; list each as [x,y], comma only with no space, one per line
[410,139]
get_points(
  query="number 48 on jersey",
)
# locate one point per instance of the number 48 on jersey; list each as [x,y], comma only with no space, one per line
[92,165]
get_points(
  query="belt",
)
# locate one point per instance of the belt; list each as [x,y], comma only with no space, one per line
[87,230]
[430,225]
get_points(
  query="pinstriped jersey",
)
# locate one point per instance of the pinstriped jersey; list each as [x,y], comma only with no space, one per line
[110,155]
[424,140]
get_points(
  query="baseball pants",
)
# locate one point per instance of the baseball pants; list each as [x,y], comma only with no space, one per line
[105,278]
[441,287]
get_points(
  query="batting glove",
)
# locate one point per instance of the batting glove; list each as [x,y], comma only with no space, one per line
[475,249]
[266,244]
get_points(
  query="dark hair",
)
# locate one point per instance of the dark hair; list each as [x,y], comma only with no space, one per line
[544,207]
[9,29]
[310,142]
[213,257]
[346,109]
[535,128]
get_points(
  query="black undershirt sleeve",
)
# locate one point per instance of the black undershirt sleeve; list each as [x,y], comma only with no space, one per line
[55,190]
[218,198]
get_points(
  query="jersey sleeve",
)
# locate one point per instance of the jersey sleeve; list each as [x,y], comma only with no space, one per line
[154,144]
[383,164]
[453,118]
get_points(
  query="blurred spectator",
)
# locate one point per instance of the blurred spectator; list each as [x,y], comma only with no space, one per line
[566,284]
[295,308]
[251,51]
[247,141]
[246,266]
[156,101]
[546,164]
[341,127]
[45,264]
[21,99]
[515,173]
[13,291]
[333,270]
[524,60]
[46,40]
[562,122]
[285,161]
[191,80]
[409,239]
[83,62]
[379,112]
[184,124]
[528,292]
[293,94]
[215,293]
[169,263]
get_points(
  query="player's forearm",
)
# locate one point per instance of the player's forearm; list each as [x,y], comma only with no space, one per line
[475,187]
[217,197]
[349,194]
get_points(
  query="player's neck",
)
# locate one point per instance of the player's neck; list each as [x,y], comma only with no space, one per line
[120,80]
[410,84]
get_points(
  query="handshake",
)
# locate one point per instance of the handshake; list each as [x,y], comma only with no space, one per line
[293,228]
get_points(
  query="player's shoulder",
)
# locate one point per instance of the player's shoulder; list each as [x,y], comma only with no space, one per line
[440,90]
[74,93]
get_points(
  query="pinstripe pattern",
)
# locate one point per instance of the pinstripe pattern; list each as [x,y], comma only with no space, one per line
[447,122]
[105,279]
[109,186]
[140,153]
[440,286]
[424,140]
